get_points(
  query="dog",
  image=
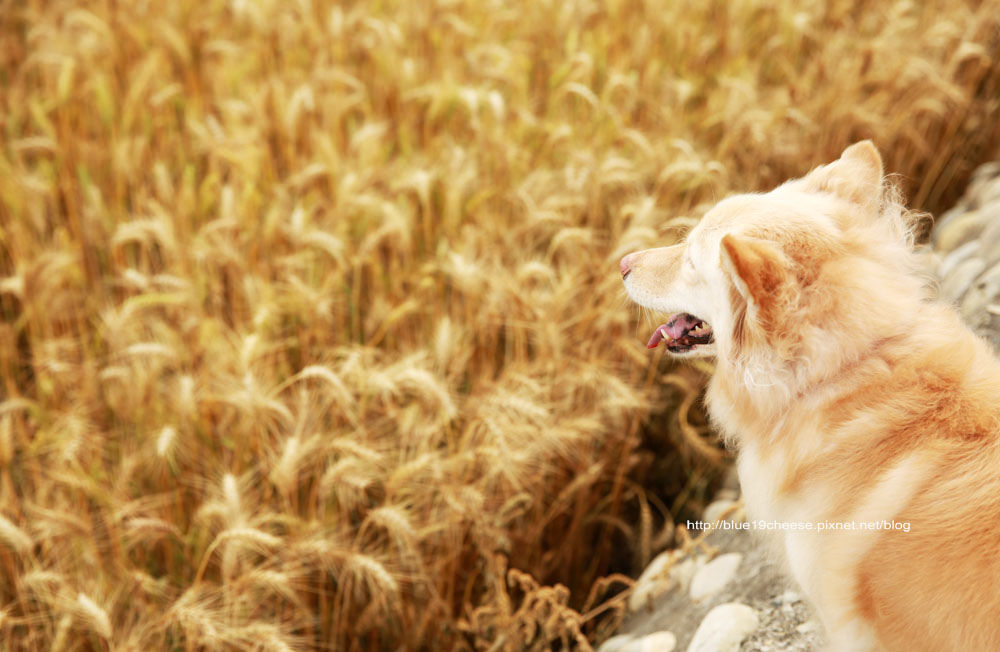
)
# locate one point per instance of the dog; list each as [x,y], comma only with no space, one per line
[865,415]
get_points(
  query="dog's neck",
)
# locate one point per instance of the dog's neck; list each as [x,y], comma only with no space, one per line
[747,399]
[749,402]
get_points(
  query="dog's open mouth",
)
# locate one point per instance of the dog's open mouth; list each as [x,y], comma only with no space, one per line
[681,333]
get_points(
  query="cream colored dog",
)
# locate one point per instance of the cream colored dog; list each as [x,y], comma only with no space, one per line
[865,414]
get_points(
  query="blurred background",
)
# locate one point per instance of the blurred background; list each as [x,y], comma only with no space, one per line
[312,334]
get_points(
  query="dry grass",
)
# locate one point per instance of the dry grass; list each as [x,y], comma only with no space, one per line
[312,335]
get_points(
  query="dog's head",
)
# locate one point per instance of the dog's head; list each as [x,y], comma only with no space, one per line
[784,275]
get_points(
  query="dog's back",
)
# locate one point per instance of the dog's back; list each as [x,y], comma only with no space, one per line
[937,587]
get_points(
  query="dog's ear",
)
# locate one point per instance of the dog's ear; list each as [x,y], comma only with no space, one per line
[756,268]
[856,176]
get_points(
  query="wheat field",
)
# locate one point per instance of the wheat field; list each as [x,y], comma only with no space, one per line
[311,330]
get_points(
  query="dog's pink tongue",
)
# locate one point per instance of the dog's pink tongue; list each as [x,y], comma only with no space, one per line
[675,328]
[654,341]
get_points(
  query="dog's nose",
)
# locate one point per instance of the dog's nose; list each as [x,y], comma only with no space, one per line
[625,265]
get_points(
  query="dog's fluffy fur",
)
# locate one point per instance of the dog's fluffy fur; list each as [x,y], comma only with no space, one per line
[851,395]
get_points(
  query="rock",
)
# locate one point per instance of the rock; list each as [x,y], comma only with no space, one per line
[716,510]
[784,625]
[728,494]
[789,597]
[655,642]
[714,576]
[682,572]
[615,643]
[982,293]
[989,241]
[724,628]
[808,627]
[985,184]
[959,229]
[983,188]
[655,580]
[991,193]
[944,219]
[951,261]
[953,287]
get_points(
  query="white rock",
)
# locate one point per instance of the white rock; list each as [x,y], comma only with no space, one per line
[714,576]
[660,563]
[954,258]
[989,190]
[989,241]
[615,643]
[728,494]
[724,628]
[789,597]
[808,627]
[657,642]
[716,509]
[981,294]
[960,278]
[682,572]
[654,581]
[960,229]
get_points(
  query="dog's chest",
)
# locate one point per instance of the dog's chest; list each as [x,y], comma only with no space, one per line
[758,482]
[772,514]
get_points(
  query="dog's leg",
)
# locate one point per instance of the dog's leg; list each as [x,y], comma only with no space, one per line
[853,636]
[826,564]
[829,589]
